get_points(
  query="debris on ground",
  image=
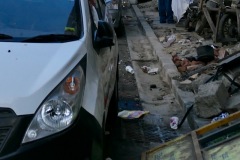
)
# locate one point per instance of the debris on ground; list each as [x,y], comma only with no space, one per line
[149,70]
[170,41]
[221,116]
[126,114]
[198,58]
[174,122]
[129,69]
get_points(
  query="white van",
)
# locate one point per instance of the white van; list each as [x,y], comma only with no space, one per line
[57,78]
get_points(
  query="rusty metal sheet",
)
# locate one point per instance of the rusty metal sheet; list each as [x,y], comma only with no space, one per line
[181,148]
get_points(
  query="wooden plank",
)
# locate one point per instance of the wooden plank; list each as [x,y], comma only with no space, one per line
[238,20]
[226,151]
[144,156]
[196,146]
[219,123]
[209,19]
[217,25]
[188,146]
[201,2]
[222,142]
[180,148]
[219,133]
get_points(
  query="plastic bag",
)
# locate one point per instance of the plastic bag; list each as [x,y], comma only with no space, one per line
[179,7]
[174,122]
[205,53]
[125,114]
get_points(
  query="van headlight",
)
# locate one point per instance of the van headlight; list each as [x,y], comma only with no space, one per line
[60,109]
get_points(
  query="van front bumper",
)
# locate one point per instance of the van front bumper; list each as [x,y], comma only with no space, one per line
[72,143]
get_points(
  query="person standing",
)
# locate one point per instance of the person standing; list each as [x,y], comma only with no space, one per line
[165,11]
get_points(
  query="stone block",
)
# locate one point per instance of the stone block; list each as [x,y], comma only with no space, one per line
[200,81]
[211,99]
[233,102]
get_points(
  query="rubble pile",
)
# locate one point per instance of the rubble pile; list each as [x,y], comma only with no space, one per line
[198,61]
[211,96]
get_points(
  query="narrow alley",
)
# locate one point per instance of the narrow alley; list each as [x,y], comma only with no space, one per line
[165,93]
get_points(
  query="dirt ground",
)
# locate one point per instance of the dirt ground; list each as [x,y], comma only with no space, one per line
[132,137]
[140,91]
[183,44]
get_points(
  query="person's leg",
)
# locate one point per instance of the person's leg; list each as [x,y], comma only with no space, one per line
[169,11]
[162,11]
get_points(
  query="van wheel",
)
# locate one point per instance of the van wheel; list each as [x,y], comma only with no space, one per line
[228,28]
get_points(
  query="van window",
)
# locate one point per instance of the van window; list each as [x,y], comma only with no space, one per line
[28,18]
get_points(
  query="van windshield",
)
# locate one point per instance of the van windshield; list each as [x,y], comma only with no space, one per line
[26,19]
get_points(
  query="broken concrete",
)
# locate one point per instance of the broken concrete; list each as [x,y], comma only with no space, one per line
[200,81]
[211,99]
[233,102]
[185,47]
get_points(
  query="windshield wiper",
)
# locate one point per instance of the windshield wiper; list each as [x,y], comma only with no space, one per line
[5,36]
[52,38]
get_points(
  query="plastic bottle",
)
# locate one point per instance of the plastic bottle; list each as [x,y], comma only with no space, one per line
[129,69]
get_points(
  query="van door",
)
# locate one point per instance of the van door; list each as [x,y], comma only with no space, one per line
[106,57]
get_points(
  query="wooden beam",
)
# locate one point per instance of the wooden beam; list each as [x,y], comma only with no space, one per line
[196,146]
[238,20]
[219,123]
[215,33]
[209,19]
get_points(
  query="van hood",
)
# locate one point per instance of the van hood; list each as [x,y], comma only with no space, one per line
[30,71]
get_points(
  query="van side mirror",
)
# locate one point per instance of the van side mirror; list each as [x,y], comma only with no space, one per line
[104,35]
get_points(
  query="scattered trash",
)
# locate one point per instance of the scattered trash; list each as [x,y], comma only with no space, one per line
[170,40]
[145,69]
[220,53]
[195,76]
[194,67]
[153,71]
[125,114]
[200,41]
[174,122]
[120,61]
[148,20]
[221,116]
[162,39]
[153,86]
[127,17]
[205,53]
[129,69]
[184,42]
[149,70]
[233,49]
[187,81]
